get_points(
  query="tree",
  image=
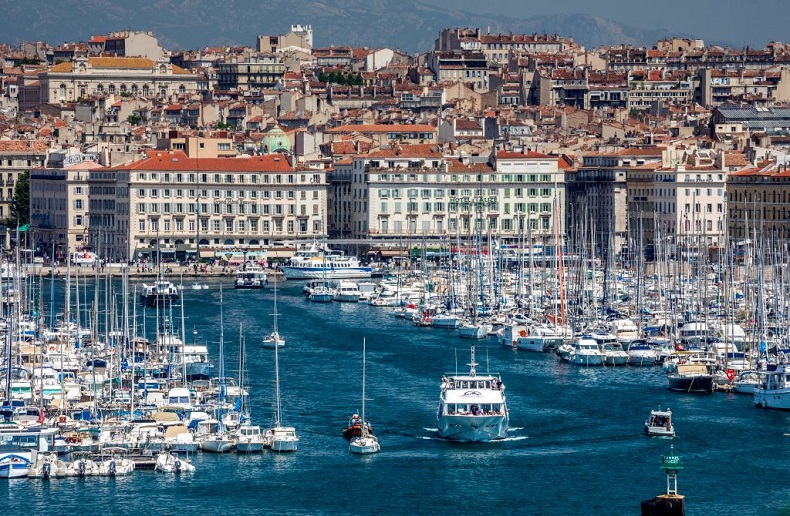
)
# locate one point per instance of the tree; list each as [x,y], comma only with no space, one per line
[20,204]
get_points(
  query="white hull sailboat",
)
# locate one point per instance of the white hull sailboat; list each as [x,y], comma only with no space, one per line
[274,339]
[365,443]
[280,438]
[217,439]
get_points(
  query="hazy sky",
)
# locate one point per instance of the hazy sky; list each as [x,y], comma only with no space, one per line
[738,22]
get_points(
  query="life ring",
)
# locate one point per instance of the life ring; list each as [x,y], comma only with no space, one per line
[522,333]
[52,348]
[61,419]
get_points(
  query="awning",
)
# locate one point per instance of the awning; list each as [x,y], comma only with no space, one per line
[280,253]
[390,252]
[206,253]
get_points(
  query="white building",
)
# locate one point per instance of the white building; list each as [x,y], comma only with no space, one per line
[415,191]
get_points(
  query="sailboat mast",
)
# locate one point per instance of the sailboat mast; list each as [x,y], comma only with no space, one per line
[364,425]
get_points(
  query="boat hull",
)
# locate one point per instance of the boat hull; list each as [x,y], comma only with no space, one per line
[284,445]
[653,431]
[14,466]
[774,398]
[615,360]
[217,445]
[693,384]
[291,272]
[249,447]
[199,370]
[364,445]
[538,344]
[322,297]
[469,428]
[473,332]
[586,360]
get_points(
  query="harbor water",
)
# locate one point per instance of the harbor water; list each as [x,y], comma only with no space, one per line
[575,447]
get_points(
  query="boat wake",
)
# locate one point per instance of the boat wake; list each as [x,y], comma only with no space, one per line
[512,439]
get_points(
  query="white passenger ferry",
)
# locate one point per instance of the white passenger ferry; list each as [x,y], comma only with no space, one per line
[472,407]
[315,263]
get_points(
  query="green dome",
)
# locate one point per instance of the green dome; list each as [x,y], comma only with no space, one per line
[275,141]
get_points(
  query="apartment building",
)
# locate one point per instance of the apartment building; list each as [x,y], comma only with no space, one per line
[597,196]
[299,38]
[722,85]
[415,191]
[647,89]
[470,68]
[758,203]
[59,201]
[496,47]
[680,199]
[178,203]
[17,156]
[130,44]
[250,73]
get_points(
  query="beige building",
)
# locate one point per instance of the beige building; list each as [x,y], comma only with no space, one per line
[414,191]
[758,203]
[178,203]
[300,39]
[598,197]
[679,200]
[130,44]
[59,202]
[133,76]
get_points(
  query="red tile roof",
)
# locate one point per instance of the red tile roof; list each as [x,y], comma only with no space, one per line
[178,161]
[23,146]
[521,155]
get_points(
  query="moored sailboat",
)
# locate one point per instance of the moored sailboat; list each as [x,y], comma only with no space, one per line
[280,438]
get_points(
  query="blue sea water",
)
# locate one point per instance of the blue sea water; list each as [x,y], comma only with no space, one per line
[575,446]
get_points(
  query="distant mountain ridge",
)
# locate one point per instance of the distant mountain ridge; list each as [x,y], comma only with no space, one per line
[409,25]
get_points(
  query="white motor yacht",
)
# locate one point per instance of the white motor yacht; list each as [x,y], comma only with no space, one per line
[472,407]
[249,439]
[640,353]
[659,424]
[347,292]
[774,390]
[585,352]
